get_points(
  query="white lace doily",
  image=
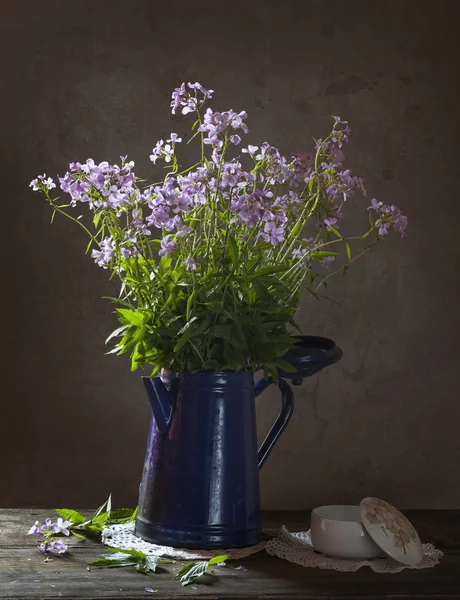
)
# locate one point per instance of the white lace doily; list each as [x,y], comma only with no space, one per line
[297,548]
[122,536]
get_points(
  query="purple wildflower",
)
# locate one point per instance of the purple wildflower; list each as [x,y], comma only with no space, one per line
[241,568]
[327,261]
[150,590]
[157,152]
[35,529]
[174,139]
[190,263]
[43,547]
[47,525]
[103,256]
[375,205]
[222,564]
[197,86]
[383,227]
[61,526]
[41,181]
[167,246]
[58,546]
[331,223]
[178,97]
[183,231]
[235,139]
[338,121]
[250,149]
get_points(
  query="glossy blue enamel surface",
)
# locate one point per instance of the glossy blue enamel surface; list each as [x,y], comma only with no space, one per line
[200,484]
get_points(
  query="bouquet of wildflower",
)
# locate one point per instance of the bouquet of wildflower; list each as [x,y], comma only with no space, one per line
[212,259]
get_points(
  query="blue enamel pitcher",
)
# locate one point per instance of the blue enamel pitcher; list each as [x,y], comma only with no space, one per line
[200,483]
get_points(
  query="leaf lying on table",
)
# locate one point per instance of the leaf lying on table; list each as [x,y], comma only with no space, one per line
[130,558]
[103,517]
[191,571]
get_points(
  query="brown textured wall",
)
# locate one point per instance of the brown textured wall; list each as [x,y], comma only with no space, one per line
[91,78]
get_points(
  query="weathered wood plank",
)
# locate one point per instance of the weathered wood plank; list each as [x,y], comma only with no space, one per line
[24,575]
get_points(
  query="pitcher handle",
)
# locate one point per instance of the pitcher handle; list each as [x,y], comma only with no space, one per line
[287,399]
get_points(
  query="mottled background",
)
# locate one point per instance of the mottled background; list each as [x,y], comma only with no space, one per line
[91,78]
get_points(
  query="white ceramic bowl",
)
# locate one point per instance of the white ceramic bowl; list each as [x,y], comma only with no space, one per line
[337,531]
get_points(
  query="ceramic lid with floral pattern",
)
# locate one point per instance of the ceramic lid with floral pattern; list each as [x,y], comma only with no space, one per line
[391,531]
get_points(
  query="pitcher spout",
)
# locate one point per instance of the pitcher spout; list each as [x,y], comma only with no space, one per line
[161,401]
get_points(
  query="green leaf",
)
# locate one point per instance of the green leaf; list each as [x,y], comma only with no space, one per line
[150,563]
[322,254]
[233,251]
[218,559]
[117,332]
[113,562]
[102,507]
[285,365]
[334,231]
[189,333]
[136,553]
[347,246]
[190,300]
[135,318]
[122,515]
[71,515]
[191,571]
[217,307]
[78,535]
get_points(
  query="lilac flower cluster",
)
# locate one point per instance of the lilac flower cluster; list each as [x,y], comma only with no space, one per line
[217,123]
[103,256]
[42,182]
[48,529]
[389,216]
[101,185]
[259,208]
[189,102]
[167,150]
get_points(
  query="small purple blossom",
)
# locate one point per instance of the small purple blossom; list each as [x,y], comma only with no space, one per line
[222,564]
[197,86]
[35,529]
[375,205]
[150,590]
[326,261]
[190,263]
[47,525]
[250,149]
[167,246]
[235,139]
[42,182]
[331,223]
[157,152]
[383,227]
[61,526]
[175,139]
[103,256]
[88,568]
[57,546]
[241,568]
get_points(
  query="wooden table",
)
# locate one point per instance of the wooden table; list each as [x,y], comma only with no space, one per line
[24,575]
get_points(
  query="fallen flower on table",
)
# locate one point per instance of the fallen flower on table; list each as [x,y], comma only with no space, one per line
[241,568]
[150,590]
